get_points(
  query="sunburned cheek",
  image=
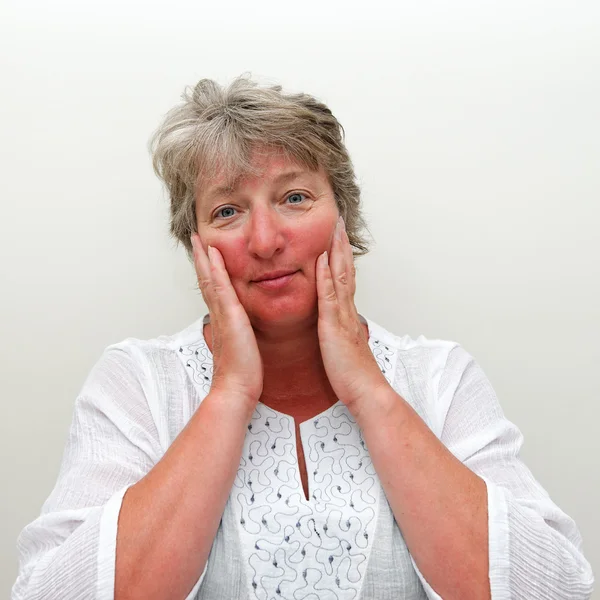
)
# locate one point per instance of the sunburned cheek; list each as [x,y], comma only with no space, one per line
[236,258]
[302,248]
[313,242]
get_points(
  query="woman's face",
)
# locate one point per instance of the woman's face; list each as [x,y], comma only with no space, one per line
[270,230]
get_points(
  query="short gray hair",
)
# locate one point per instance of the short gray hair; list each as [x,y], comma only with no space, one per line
[218,127]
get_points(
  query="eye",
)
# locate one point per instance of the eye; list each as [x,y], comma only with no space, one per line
[296,198]
[225,213]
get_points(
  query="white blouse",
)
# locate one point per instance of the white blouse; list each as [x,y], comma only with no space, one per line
[340,543]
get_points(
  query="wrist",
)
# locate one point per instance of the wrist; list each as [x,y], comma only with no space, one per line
[236,404]
[378,407]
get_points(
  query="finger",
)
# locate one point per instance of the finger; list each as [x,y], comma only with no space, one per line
[326,297]
[350,264]
[203,273]
[228,300]
[341,269]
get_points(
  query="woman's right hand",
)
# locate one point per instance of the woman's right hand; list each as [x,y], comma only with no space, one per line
[237,364]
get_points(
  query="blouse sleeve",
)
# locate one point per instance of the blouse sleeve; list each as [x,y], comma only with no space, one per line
[69,551]
[535,549]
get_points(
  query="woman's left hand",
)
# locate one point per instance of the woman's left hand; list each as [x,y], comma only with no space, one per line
[350,365]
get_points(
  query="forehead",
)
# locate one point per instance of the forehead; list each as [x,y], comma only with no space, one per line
[273,166]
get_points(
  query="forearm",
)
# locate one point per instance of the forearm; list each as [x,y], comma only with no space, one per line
[439,504]
[169,519]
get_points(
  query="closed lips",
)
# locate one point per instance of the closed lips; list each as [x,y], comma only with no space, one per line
[274,275]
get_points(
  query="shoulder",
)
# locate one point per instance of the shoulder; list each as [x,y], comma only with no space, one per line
[142,377]
[422,370]
[140,354]
[146,368]
[432,354]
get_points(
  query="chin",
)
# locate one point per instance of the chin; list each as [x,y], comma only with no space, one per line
[285,313]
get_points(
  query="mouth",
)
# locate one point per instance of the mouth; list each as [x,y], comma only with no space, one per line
[273,275]
[275,279]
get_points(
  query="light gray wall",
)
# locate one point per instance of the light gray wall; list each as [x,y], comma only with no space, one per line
[475,132]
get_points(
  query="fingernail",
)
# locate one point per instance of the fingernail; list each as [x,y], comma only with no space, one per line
[326,258]
[193,241]
[338,229]
[210,253]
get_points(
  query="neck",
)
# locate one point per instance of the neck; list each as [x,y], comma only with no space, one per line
[295,380]
[293,366]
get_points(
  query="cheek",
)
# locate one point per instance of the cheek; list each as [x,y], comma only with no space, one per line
[304,245]
[312,241]
[236,257]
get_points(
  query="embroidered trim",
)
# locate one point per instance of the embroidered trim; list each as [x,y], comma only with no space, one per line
[293,545]
[198,360]
[385,357]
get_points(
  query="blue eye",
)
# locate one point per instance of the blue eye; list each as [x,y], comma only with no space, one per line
[295,198]
[226,212]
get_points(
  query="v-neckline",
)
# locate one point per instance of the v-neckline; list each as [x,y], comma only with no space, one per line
[302,426]
[301,423]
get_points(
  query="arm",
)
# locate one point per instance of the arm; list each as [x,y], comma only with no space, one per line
[473,517]
[113,474]
[169,519]
[475,520]
[124,521]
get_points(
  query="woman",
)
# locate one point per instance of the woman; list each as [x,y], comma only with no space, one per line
[284,446]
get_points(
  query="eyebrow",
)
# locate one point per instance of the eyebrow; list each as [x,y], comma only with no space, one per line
[227,190]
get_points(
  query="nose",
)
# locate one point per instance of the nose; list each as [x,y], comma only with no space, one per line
[265,235]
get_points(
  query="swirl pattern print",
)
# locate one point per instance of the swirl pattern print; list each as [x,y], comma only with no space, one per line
[294,548]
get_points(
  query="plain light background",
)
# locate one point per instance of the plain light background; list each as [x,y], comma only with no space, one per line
[475,132]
